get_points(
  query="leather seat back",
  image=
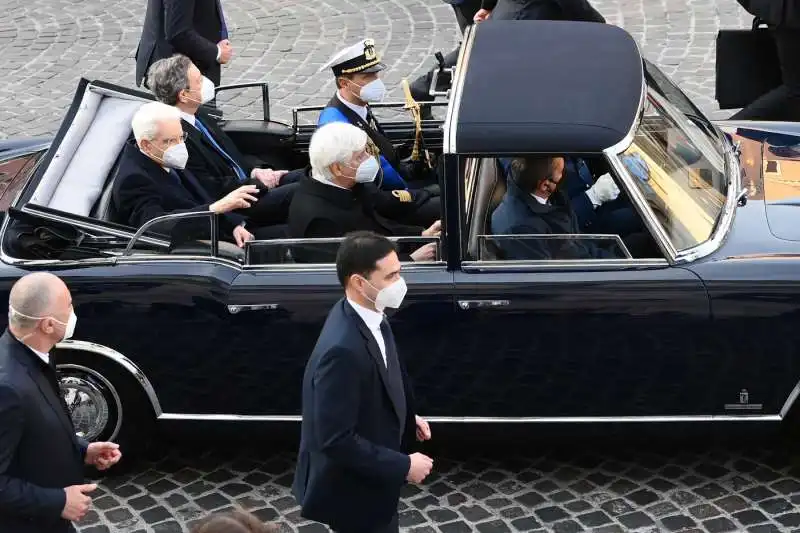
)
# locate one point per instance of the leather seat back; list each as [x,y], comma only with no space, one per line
[491,188]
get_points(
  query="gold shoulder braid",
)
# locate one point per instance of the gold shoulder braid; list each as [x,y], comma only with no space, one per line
[403,196]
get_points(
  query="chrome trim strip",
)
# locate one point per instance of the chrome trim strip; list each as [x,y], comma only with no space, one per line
[108,384]
[170,258]
[545,265]
[121,360]
[457,89]
[493,420]
[787,406]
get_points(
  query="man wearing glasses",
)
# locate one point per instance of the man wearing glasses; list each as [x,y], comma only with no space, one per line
[152,181]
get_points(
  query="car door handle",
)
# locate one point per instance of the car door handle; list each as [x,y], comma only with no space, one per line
[479,304]
[234,309]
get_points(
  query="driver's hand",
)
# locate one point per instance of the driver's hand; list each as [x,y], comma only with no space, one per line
[425,253]
[434,231]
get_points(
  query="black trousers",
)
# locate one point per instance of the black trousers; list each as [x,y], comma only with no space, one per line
[783,102]
[391,527]
[465,12]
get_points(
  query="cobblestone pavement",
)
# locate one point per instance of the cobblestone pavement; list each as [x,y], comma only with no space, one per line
[50,44]
[564,489]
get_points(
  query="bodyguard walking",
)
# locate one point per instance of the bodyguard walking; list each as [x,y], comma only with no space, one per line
[42,489]
[358,408]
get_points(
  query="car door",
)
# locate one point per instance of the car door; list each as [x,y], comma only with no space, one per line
[276,315]
[543,343]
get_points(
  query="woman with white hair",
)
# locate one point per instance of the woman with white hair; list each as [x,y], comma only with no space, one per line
[341,196]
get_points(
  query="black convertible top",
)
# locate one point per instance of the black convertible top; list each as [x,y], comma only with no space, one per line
[546,86]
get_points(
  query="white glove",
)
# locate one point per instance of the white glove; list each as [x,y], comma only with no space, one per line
[604,190]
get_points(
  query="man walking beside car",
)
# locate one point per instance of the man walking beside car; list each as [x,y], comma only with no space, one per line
[42,489]
[358,408]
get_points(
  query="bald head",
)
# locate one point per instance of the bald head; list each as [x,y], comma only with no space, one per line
[36,296]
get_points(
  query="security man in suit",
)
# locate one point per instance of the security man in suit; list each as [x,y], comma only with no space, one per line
[194,28]
[358,405]
[358,84]
[340,197]
[576,10]
[42,489]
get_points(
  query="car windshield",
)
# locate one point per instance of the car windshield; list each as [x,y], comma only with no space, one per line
[677,161]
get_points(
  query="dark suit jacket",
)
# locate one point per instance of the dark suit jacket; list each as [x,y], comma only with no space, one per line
[319,210]
[350,467]
[578,10]
[189,27]
[143,191]
[207,165]
[39,452]
[775,12]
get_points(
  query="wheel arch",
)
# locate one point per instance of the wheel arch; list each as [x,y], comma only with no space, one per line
[128,366]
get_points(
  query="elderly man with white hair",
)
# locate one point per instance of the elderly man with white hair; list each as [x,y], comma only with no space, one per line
[341,197]
[153,181]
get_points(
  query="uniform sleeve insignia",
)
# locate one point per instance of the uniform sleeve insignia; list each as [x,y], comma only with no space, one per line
[403,196]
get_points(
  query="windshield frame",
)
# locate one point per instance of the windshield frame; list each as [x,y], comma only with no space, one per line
[732,171]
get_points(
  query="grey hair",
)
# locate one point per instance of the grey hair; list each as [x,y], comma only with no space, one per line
[31,299]
[148,118]
[335,142]
[168,77]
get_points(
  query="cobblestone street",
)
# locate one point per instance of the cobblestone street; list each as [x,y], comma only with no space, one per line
[707,487]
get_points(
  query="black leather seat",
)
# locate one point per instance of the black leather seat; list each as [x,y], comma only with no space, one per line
[491,188]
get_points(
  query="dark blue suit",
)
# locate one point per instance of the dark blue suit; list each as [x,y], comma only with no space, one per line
[350,467]
[39,452]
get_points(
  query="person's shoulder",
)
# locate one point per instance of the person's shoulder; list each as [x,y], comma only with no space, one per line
[331,114]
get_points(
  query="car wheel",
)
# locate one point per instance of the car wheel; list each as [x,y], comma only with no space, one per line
[105,403]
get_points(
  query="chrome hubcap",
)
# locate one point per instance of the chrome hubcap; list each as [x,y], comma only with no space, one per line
[87,405]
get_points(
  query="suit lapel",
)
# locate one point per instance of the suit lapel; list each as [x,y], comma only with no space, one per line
[375,351]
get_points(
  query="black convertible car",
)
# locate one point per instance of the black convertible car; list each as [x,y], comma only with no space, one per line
[702,328]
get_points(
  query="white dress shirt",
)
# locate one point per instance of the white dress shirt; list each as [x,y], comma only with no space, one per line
[361,111]
[543,201]
[373,320]
[43,356]
[188,118]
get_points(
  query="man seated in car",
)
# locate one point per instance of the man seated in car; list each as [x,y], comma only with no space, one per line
[341,197]
[214,159]
[597,203]
[357,71]
[534,205]
[153,181]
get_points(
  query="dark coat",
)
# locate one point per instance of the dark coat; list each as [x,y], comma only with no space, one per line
[143,191]
[578,10]
[351,466]
[519,214]
[39,452]
[189,27]
[784,13]
[319,210]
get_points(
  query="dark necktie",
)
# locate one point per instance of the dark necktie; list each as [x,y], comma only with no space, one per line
[224,27]
[394,372]
[207,134]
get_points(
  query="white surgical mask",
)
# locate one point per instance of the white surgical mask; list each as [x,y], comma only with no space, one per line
[373,91]
[176,156]
[367,170]
[207,91]
[390,296]
[69,325]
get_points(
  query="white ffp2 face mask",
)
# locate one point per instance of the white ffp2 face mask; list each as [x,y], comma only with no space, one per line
[176,156]
[207,91]
[69,325]
[372,92]
[390,296]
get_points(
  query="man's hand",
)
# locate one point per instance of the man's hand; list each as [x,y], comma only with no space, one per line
[225,51]
[78,502]
[423,429]
[420,467]
[241,236]
[102,455]
[270,178]
[425,253]
[434,231]
[481,15]
[604,190]
[241,198]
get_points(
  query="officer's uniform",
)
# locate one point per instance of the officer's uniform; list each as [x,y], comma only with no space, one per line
[362,58]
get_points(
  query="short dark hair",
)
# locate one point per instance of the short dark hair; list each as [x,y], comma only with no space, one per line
[360,252]
[234,522]
[528,172]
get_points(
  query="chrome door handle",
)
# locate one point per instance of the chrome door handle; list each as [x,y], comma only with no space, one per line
[477,304]
[234,309]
